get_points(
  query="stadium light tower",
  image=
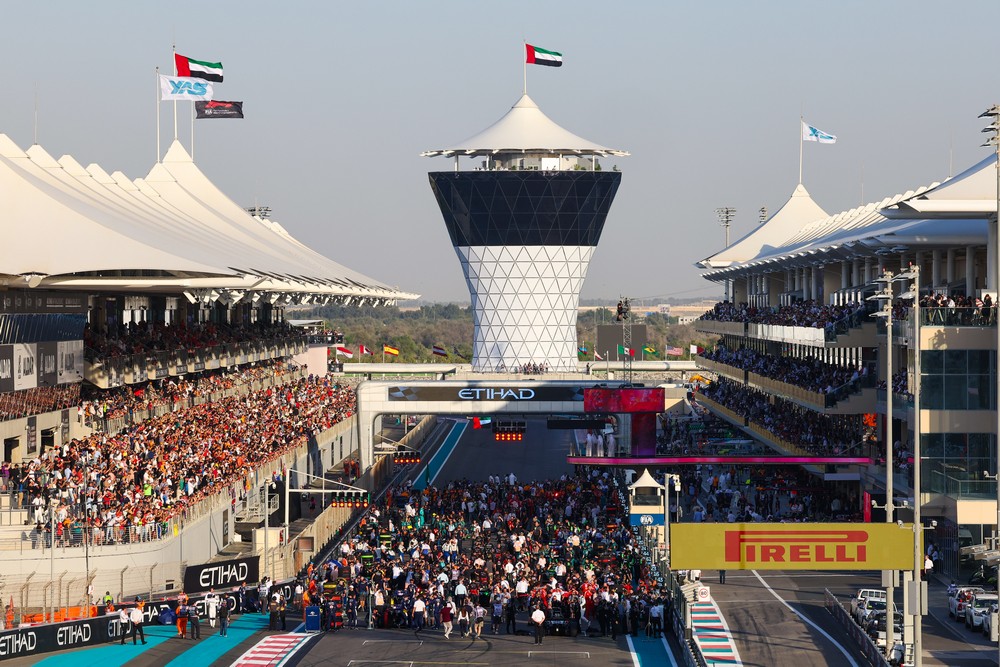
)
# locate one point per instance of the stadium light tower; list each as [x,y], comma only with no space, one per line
[994,142]
[726,215]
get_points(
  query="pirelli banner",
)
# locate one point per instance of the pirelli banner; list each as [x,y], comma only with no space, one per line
[792,546]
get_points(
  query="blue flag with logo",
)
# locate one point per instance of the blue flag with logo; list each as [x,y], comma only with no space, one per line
[810,133]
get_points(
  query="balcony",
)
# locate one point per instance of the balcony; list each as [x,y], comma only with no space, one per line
[107,372]
[721,328]
[821,402]
[958,317]
[731,372]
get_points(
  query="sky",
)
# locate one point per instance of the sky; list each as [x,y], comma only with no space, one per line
[341,97]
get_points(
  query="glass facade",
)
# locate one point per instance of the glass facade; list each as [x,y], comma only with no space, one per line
[958,380]
[957,464]
[525,208]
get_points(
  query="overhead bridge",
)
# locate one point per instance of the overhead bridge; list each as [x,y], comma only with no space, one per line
[463,397]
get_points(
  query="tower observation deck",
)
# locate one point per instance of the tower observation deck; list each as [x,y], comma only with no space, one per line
[525,221]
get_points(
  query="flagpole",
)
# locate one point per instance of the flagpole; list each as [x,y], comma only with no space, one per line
[174,48]
[524,65]
[193,114]
[801,123]
[156,76]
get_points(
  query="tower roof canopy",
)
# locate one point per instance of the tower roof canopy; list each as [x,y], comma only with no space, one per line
[525,129]
[799,210]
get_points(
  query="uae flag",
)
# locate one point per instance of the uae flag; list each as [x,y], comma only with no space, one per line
[364,350]
[439,351]
[199,69]
[537,56]
[345,352]
[626,351]
[388,349]
[218,109]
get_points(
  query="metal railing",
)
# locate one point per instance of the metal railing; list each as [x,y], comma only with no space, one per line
[958,317]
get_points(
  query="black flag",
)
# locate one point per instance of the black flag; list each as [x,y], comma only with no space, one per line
[219,109]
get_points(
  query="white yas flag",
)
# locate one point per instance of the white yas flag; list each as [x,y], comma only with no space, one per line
[184,88]
[810,133]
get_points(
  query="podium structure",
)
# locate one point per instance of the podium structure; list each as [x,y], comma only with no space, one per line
[525,217]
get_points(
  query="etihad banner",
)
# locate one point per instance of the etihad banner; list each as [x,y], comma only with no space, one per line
[493,392]
[791,546]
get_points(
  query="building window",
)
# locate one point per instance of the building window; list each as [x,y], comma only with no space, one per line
[958,380]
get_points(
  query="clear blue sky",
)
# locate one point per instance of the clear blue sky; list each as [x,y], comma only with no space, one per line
[341,97]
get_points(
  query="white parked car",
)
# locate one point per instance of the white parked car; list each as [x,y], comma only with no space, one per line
[959,598]
[980,605]
[988,620]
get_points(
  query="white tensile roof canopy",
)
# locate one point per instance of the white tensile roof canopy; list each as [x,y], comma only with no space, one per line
[81,228]
[526,130]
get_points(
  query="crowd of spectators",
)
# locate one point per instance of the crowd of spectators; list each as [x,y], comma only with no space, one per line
[799,314]
[475,556]
[958,310]
[809,373]
[27,402]
[151,337]
[133,482]
[746,493]
[900,384]
[96,406]
[821,434]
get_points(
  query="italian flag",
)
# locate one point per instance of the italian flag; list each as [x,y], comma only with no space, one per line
[626,350]
[198,69]
[345,352]
[537,56]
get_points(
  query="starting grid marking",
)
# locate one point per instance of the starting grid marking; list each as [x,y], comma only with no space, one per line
[711,634]
[585,654]
[272,651]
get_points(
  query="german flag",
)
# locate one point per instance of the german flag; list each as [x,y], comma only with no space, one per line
[388,349]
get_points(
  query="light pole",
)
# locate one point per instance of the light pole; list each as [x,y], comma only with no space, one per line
[920,598]
[994,141]
[886,312]
[676,479]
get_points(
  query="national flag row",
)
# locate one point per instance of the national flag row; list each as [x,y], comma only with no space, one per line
[342,351]
[195,81]
[647,349]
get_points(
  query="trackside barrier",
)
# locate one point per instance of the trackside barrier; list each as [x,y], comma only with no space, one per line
[864,642]
[39,639]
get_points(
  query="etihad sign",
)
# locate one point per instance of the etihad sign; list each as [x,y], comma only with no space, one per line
[799,546]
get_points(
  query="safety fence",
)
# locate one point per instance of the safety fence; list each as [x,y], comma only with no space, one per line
[863,641]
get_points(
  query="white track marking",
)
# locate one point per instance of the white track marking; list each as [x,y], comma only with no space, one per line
[808,622]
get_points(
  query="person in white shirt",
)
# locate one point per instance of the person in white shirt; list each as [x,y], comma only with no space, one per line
[212,605]
[538,620]
[419,607]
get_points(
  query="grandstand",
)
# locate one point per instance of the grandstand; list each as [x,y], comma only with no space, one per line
[148,392]
[805,362]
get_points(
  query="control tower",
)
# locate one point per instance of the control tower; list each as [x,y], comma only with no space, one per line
[525,213]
